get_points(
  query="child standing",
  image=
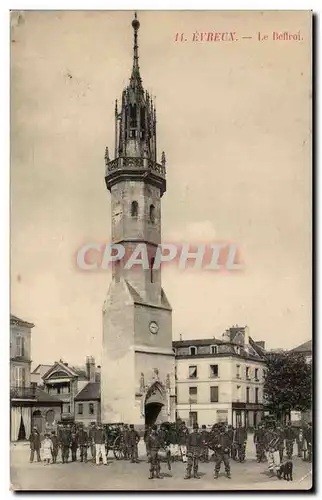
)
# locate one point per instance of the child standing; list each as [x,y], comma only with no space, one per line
[47,448]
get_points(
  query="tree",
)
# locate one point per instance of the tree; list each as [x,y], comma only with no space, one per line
[288,383]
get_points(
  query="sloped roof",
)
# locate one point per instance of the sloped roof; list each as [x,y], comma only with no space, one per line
[22,322]
[44,397]
[91,391]
[305,347]
[41,369]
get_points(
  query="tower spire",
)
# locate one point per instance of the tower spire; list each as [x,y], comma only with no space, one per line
[135,76]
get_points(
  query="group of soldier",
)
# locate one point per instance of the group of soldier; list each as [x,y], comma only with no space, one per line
[168,442]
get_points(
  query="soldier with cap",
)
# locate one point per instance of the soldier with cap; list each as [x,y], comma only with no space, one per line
[65,440]
[91,441]
[240,440]
[35,444]
[194,443]
[83,443]
[204,457]
[125,435]
[133,442]
[289,435]
[153,447]
[55,447]
[221,445]
[259,440]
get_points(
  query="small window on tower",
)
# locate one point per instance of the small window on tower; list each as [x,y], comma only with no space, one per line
[134,209]
[152,213]
[151,269]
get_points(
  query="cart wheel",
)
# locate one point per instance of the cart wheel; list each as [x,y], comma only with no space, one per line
[118,448]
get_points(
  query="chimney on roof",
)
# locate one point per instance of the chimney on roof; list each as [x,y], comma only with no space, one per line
[180,336]
[90,368]
[66,364]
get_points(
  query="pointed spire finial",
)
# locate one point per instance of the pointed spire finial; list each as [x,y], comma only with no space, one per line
[135,77]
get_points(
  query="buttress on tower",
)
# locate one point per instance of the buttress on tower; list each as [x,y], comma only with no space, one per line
[138,366]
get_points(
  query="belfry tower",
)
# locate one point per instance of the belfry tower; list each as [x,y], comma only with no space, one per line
[138,370]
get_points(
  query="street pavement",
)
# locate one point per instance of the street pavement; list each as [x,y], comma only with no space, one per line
[122,475]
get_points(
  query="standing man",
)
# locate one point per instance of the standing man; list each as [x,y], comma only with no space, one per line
[55,443]
[91,435]
[74,445]
[241,440]
[230,434]
[259,440]
[65,440]
[308,439]
[99,440]
[83,443]
[272,440]
[154,445]
[194,443]
[204,444]
[183,434]
[289,440]
[35,444]
[126,433]
[221,445]
[281,436]
[134,439]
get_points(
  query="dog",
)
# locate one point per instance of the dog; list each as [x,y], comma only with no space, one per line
[286,471]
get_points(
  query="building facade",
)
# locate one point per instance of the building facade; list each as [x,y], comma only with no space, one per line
[88,404]
[29,405]
[220,380]
[138,381]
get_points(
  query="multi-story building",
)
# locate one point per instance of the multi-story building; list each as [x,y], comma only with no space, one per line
[65,382]
[29,405]
[88,404]
[220,380]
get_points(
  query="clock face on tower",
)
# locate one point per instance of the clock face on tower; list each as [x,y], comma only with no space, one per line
[154,327]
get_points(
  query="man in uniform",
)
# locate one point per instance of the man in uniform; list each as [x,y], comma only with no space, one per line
[153,445]
[35,445]
[99,439]
[230,434]
[308,439]
[54,451]
[259,440]
[74,445]
[221,445]
[125,434]
[194,443]
[241,440]
[83,443]
[134,439]
[204,457]
[183,434]
[280,433]
[65,440]
[272,440]
[91,440]
[289,440]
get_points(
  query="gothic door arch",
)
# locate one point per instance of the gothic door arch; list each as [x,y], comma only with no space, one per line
[155,404]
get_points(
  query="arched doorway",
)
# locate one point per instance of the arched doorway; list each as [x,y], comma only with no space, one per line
[22,430]
[37,420]
[155,404]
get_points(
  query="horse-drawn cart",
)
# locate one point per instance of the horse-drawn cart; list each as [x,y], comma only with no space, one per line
[114,440]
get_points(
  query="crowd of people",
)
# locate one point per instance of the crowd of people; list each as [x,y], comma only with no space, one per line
[174,441]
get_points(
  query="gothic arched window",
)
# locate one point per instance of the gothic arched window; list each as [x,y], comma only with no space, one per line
[134,209]
[152,213]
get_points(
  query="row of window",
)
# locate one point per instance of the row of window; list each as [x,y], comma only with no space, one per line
[214,372]
[80,408]
[135,211]
[214,394]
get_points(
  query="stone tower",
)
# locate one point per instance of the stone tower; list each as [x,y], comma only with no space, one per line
[138,369]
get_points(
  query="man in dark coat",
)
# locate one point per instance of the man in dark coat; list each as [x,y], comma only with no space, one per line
[259,440]
[194,443]
[153,445]
[54,451]
[82,438]
[222,444]
[230,434]
[91,434]
[241,440]
[289,435]
[125,437]
[134,439]
[65,440]
[35,444]
[204,457]
[74,445]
